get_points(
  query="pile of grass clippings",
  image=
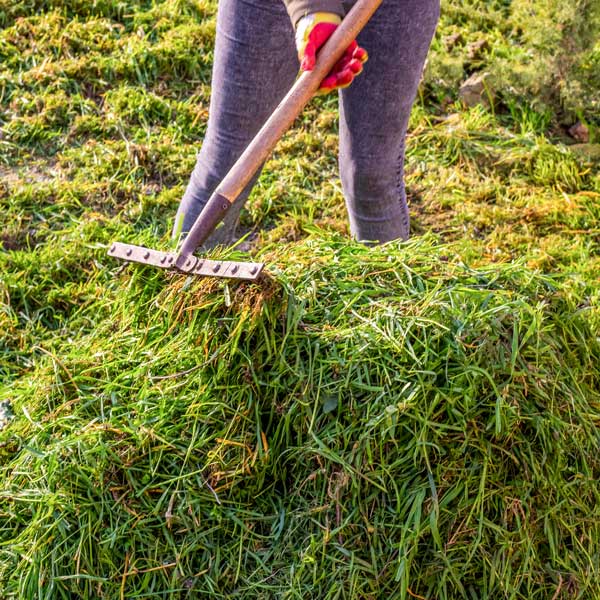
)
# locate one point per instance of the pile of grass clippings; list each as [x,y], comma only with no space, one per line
[372,422]
[419,420]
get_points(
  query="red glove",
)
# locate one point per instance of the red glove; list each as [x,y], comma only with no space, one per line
[312,32]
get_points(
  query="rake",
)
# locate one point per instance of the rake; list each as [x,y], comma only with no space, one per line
[247,165]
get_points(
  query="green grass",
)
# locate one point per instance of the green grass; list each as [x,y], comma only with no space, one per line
[418,420]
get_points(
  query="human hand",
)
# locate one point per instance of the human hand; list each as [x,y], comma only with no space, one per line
[312,32]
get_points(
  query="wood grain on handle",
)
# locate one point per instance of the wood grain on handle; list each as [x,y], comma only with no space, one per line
[295,100]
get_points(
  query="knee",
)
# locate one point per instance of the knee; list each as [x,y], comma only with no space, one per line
[371,178]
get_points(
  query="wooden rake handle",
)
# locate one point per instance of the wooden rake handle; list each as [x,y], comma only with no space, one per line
[277,124]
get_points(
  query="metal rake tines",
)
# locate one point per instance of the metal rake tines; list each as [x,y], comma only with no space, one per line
[192,265]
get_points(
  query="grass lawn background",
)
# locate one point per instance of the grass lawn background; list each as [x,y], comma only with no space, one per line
[419,420]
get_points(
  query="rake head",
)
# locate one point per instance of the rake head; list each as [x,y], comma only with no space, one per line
[192,265]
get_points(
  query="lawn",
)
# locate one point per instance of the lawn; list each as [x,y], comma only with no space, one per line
[416,420]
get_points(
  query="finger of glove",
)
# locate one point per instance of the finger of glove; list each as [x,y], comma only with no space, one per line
[356,66]
[356,51]
[344,78]
[360,54]
[347,63]
[347,59]
[335,81]
[351,61]
[328,84]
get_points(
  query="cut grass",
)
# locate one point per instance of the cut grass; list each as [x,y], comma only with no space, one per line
[373,421]
[416,420]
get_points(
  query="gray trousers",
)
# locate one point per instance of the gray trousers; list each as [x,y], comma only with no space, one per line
[255,64]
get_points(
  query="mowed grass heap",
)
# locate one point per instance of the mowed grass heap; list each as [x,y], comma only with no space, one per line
[417,420]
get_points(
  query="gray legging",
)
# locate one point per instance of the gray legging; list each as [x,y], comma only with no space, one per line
[254,66]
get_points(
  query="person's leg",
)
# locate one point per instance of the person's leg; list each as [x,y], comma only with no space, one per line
[254,66]
[374,113]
